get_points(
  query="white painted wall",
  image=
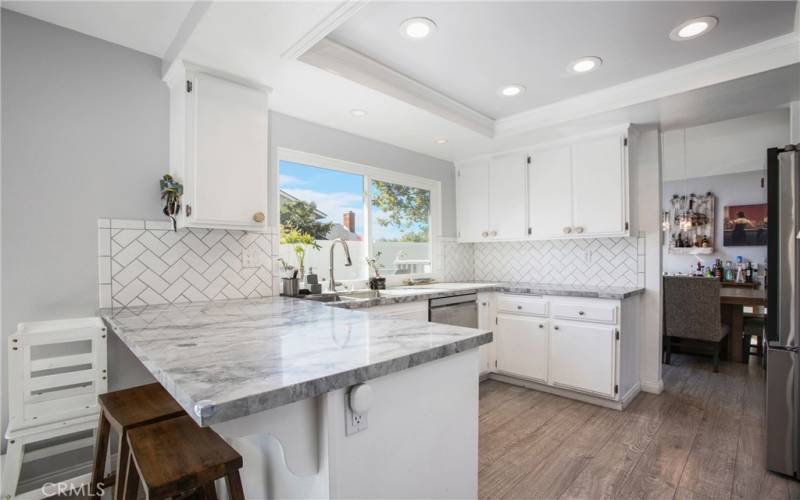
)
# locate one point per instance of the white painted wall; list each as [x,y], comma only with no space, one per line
[742,188]
[725,147]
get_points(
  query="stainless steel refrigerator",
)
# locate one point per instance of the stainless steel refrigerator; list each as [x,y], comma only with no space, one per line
[783,306]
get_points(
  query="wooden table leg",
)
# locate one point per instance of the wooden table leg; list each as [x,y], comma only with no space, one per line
[733,315]
[100,449]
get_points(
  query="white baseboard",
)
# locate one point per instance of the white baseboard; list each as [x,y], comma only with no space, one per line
[653,387]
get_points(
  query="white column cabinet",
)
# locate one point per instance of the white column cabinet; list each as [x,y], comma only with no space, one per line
[218,149]
[507,195]
[472,181]
[599,196]
[485,308]
[521,346]
[583,357]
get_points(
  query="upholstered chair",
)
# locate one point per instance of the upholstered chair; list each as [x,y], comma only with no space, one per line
[692,315]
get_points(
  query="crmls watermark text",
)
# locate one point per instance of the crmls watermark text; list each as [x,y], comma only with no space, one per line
[84,490]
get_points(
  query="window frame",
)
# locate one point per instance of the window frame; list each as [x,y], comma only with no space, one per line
[369,173]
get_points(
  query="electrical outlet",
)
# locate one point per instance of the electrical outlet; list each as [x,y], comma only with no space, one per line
[356,406]
[251,257]
[354,422]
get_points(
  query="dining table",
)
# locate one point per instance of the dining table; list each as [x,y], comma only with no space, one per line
[733,302]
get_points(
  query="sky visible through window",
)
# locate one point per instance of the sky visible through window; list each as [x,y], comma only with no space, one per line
[335,193]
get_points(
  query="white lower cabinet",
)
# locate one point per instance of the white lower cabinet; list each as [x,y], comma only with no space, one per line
[521,346]
[584,348]
[485,308]
[583,357]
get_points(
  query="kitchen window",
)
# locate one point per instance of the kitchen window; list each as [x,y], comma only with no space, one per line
[380,213]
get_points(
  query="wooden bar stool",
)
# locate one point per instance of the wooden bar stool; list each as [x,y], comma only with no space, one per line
[121,411]
[177,457]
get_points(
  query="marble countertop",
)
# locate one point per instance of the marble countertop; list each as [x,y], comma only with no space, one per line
[228,359]
[397,295]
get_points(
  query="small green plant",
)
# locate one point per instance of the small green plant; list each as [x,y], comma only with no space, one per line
[300,242]
[373,264]
[171,193]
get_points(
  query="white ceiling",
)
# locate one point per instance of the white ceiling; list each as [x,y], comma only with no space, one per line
[480,46]
[146,26]
[261,40]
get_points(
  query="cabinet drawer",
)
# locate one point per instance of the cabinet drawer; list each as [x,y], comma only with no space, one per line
[586,311]
[521,304]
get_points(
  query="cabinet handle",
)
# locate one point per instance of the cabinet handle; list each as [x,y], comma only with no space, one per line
[555,328]
[494,233]
[567,230]
[483,304]
[258,217]
[188,210]
[485,234]
[541,325]
[579,229]
[581,313]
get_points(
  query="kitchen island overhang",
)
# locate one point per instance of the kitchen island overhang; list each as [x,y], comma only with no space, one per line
[272,375]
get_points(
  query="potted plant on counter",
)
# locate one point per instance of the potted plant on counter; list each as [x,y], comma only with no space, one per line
[300,243]
[376,282]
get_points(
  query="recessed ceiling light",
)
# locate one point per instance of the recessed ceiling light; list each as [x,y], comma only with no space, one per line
[585,64]
[417,28]
[693,28]
[441,140]
[511,90]
[358,113]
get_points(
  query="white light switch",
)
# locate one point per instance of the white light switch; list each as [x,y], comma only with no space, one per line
[251,257]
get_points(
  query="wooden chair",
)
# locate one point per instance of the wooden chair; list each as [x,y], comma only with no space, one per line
[121,411]
[56,369]
[753,327]
[176,457]
[692,315]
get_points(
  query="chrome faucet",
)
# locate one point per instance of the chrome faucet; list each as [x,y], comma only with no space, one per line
[333,283]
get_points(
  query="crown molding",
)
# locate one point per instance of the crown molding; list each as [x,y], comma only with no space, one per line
[336,18]
[764,56]
[355,66]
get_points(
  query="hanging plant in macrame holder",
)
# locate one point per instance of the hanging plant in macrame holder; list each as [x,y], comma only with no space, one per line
[171,192]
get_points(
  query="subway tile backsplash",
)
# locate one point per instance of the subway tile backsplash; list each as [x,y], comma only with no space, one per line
[591,261]
[145,263]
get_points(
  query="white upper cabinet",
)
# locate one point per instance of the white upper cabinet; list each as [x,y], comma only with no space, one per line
[507,194]
[550,188]
[598,191]
[472,181]
[218,150]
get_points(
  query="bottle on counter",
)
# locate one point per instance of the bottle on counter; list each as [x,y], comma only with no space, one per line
[728,274]
[748,272]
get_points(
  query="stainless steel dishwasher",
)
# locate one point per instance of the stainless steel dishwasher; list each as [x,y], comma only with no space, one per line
[459,310]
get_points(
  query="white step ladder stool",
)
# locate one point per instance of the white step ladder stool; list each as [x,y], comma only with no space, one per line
[56,370]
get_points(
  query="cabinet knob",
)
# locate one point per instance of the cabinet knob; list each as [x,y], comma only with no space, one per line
[555,328]
[494,233]
[541,325]
[581,313]
[483,304]
[258,217]
[579,229]
[485,234]
[567,230]
[519,308]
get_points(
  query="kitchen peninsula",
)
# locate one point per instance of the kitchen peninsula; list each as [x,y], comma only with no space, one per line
[273,376]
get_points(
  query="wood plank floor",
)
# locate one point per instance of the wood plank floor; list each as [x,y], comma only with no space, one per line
[703,437]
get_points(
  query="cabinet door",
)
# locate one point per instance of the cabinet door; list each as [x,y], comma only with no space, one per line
[485,323]
[550,193]
[229,164]
[473,201]
[507,194]
[522,346]
[583,357]
[598,176]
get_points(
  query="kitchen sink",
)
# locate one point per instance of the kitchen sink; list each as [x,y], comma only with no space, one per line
[323,297]
[343,296]
[361,294]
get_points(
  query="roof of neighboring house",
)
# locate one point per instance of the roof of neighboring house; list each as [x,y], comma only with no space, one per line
[339,231]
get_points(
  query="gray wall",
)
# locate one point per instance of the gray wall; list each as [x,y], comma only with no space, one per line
[731,189]
[84,135]
[293,133]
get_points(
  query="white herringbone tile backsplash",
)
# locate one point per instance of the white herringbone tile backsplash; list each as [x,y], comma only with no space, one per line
[145,263]
[458,261]
[597,262]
